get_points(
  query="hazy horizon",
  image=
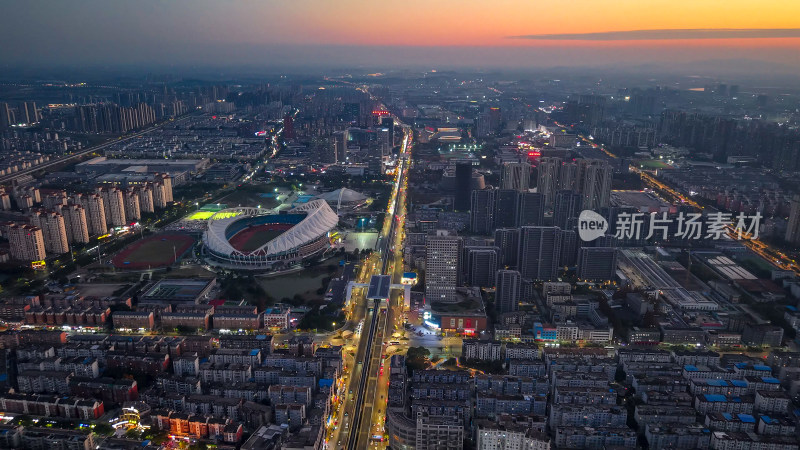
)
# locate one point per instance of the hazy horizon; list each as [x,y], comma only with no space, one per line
[661,37]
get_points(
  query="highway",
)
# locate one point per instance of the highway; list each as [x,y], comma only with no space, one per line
[359,415]
[11,177]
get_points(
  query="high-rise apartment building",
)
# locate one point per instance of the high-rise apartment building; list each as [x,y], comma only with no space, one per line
[507,242]
[793,227]
[76,223]
[539,252]
[506,298]
[481,266]
[530,209]
[54,231]
[146,198]
[567,205]
[133,210]
[95,213]
[27,242]
[442,266]
[594,183]
[597,263]
[114,204]
[340,146]
[548,170]
[6,116]
[516,176]
[482,206]
[506,208]
[159,196]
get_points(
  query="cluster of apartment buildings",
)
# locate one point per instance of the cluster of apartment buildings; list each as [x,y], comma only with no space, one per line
[61,220]
[597,398]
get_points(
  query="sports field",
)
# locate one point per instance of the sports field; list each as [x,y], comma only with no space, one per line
[200,215]
[153,252]
[653,164]
[251,238]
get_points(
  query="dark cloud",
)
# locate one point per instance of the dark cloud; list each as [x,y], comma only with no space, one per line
[656,35]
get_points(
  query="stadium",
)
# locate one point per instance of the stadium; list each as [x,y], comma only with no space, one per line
[258,239]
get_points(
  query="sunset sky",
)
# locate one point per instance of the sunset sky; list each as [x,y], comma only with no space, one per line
[348,31]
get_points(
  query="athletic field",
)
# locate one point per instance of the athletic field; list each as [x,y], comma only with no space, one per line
[251,238]
[151,252]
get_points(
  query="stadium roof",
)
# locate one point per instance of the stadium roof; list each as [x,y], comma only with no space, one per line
[348,196]
[319,219]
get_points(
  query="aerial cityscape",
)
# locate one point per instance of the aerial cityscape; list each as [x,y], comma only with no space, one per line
[263,225]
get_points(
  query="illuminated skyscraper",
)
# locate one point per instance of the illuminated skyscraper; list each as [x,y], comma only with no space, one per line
[442,265]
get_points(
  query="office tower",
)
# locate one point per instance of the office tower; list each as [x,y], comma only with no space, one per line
[384,141]
[388,123]
[54,231]
[539,252]
[76,223]
[351,112]
[481,266]
[567,204]
[569,248]
[442,267]
[568,176]
[594,183]
[482,206]
[530,211]
[95,213]
[506,298]
[146,198]
[505,209]
[482,125]
[495,119]
[548,178]
[340,146]
[27,242]
[507,241]
[516,176]
[793,227]
[133,209]
[288,127]
[597,263]
[114,204]
[463,186]
[6,116]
